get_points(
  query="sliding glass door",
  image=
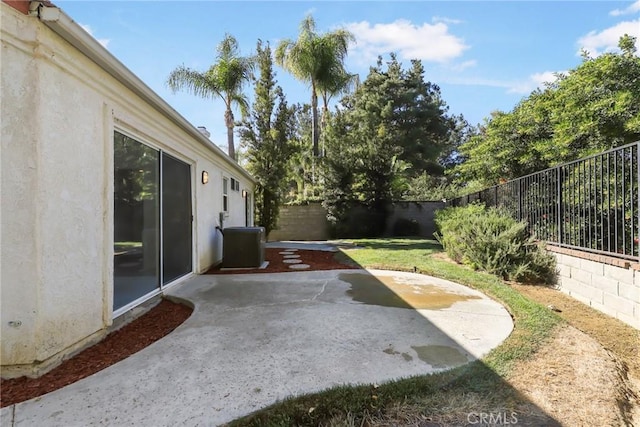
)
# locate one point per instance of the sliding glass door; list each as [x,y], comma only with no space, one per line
[136,260]
[152,220]
[176,219]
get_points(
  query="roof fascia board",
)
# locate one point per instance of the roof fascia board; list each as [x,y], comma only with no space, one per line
[70,31]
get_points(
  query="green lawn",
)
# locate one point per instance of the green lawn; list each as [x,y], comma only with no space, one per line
[480,385]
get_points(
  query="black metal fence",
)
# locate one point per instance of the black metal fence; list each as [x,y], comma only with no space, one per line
[591,204]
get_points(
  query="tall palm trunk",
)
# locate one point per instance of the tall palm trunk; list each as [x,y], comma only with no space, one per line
[315,130]
[323,119]
[228,120]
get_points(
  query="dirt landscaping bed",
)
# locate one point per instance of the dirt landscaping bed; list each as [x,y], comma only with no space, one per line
[131,338]
[588,372]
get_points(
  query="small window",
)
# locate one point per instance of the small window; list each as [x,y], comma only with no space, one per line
[225,194]
[235,184]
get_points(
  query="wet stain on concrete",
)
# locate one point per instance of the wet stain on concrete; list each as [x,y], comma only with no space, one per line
[406,356]
[386,291]
[440,356]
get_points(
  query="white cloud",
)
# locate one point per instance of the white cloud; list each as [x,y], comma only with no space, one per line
[446,20]
[537,80]
[597,43]
[103,42]
[426,42]
[476,81]
[634,8]
[524,87]
[464,65]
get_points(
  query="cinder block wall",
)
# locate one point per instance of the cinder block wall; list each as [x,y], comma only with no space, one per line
[309,222]
[610,285]
[303,222]
[422,212]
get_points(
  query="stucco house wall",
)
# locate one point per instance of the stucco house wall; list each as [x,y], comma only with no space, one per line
[63,96]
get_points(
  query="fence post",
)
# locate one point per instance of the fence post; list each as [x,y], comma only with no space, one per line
[519,199]
[559,198]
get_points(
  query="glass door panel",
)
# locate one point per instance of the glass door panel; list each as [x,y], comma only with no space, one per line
[176,219]
[136,220]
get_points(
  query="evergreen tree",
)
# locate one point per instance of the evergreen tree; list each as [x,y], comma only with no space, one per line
[393,127]
[302,162]
[266,133]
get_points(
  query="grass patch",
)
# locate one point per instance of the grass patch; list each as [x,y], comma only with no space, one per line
[442,397]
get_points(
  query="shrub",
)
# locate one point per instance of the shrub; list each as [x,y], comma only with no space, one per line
[449,223]
[491,240]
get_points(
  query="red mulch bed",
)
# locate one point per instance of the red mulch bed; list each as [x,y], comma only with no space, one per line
[118,345]
[317,260]
[142,332]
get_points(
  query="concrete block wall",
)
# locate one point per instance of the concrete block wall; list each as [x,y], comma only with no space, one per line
[610,285]
[309,222]
[422,212]
[303,222]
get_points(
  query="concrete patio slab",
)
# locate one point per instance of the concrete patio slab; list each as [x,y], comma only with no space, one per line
[254,339]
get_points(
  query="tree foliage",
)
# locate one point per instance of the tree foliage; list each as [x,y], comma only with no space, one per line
[224,79]
[266,133]
[592,108]
[393,127]
[303,185]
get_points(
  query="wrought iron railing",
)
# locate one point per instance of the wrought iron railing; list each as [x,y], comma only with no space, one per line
[591,204]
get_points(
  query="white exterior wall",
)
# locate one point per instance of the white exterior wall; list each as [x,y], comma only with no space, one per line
[19,171]
[59,112]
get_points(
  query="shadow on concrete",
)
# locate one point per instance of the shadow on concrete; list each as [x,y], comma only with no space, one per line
[453,368]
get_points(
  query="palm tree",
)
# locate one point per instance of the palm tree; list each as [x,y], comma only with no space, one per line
[225,79]
[316,59]
[338,81]
[341,82]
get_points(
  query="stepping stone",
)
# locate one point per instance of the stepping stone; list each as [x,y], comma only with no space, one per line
[285,253]
[299,266]
[291,261]
[291,256]
[291,250]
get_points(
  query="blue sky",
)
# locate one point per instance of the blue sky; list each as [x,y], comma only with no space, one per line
[484,55]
